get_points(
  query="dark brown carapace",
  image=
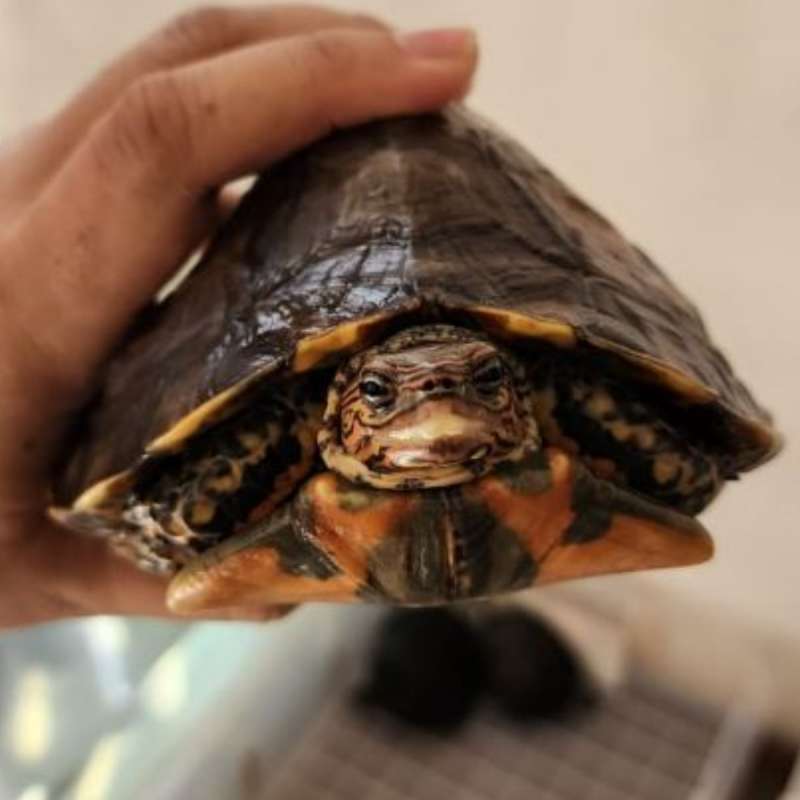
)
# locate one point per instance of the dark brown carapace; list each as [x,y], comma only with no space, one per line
[414,367]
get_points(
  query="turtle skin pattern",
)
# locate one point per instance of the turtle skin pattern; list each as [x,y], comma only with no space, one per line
[543,519]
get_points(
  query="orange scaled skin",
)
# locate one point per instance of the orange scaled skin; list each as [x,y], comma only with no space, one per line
[343,526]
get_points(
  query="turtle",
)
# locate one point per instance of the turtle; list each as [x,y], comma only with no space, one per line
[416,368]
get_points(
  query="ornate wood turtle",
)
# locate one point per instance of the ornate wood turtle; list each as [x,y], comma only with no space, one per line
[414,367]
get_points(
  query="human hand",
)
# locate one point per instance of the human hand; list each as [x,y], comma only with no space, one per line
[102,202]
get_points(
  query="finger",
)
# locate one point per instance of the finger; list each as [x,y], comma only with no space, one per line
[198,34]
[243,614]
[126,204]
[78,576]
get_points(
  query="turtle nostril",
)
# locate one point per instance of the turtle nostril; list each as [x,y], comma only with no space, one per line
[432,384]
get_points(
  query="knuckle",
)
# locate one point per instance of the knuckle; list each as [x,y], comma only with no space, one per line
[39,360]
[199,27]
[360,20]
[331,53]
[151,122]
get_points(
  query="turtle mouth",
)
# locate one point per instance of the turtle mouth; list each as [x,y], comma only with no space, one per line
[447,453]
[439,442]
[438,436]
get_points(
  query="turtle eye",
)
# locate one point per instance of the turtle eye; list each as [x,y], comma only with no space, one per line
[489,376]
[376,389]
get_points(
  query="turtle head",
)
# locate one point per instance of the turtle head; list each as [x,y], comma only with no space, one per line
[433,405]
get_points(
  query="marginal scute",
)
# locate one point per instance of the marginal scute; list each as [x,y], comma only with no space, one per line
[210,412]
[97,495]
[512,327]
[342,340]
[515,327]
[688,389]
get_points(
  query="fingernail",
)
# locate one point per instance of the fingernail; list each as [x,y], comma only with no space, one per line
[445,43]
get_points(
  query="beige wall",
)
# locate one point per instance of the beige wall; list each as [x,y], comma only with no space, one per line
[680,120]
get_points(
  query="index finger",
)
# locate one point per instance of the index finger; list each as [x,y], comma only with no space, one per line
[198,34]
[77,576]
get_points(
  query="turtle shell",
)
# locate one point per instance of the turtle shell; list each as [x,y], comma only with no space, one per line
[424,218]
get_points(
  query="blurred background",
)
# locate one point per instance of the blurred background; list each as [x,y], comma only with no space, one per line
[681,122]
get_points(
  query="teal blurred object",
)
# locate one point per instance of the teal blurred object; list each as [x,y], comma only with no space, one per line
[125,709]
[62,687]
[134,710]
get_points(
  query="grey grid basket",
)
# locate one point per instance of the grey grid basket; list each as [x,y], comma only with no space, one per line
[642,743]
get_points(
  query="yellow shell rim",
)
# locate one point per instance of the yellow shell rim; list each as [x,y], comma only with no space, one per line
[347,337]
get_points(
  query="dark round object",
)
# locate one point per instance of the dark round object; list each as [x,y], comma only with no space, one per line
[532,673]
[427,669]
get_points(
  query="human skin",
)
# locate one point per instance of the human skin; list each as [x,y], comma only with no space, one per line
[102,201]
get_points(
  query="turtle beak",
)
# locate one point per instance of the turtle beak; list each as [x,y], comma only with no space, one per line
[438,435]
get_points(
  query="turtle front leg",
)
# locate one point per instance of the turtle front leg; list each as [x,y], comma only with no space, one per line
[232,475]
[621,438]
